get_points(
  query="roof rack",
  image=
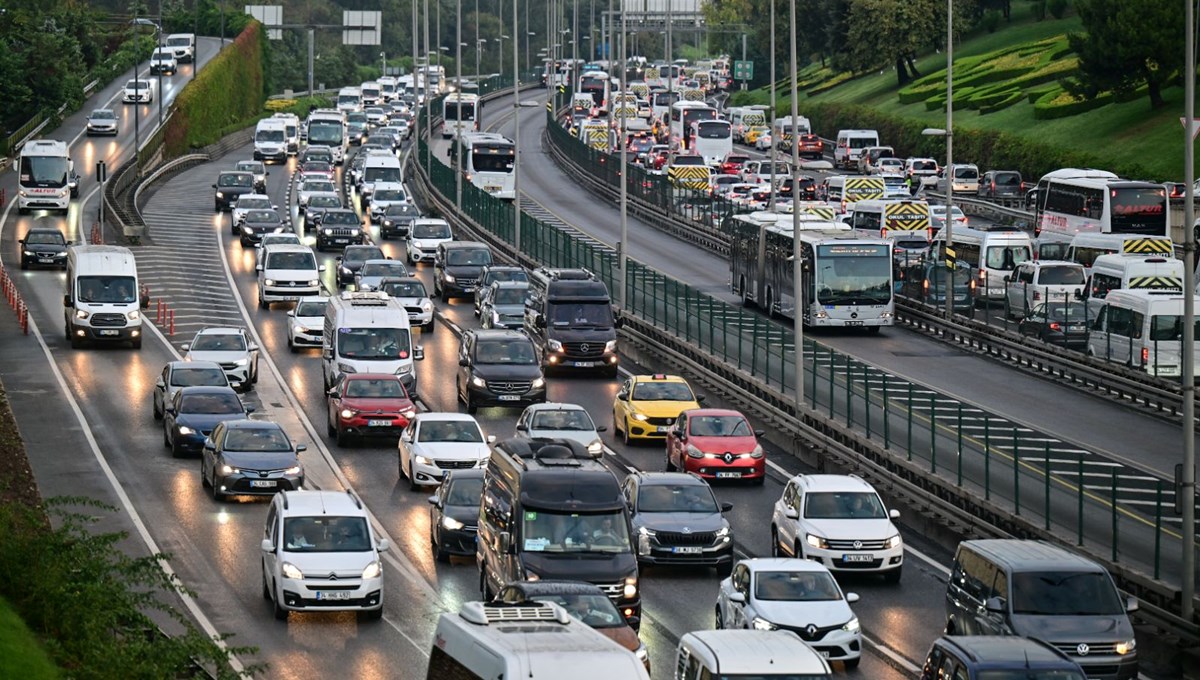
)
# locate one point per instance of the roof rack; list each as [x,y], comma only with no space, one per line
[365,299]
[354,498]
[487,613]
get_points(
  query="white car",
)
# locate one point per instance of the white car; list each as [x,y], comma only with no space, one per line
[1049,281]
[138,91]
[247,202]
[436,442]
[289,271]
[763,142]
[889,166]
[102,122]
[320,553]
[163,61]
[561,421]
[937,216]
[310,188]
[410,292]
[425,237]
[386,194]
[271,239]
[371,272]
[800,596]
[840,522]
[232,349]
[306,323]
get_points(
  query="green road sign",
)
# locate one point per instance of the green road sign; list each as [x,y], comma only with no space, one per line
[743,70]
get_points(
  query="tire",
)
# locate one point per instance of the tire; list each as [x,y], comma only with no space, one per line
[342,436]
[439,554]
[76,343]
[775,551]
[370,615]
[484,590]
[292,347]
[759,481]
[893,577]
[176,452]
[472,407]
[429,327]
[724,570]
[798,551]
[158,414]
[330,428]
[281,614]
[670,467]
[203,480]
[851,664]
[412,479]
[263,304]
[24,264]
[266,589]
[718,623]
[625,436]
[214,487]
[166,439]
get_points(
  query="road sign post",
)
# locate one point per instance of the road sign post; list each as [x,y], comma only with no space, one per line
[101,177]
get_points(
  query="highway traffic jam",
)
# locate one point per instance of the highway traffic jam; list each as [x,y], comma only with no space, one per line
[375,447]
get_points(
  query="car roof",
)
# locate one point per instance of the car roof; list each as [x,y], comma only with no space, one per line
[382,260]
[223,330]
[675,478]
[44,230]
[444,416]
[833,483]
[510,284]
[458,245]
[308,502]
[1003,648]
[1025,555]
[246,424]
[208,389]
[236,172]
[658,377]
[173,365]
[532,589]
[289,247]
[261,196]
[554,406]
[783,564]
[691,413]
[499,334]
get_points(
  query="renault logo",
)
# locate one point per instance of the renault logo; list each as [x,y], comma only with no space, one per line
[728,457]
[585,348]
[1083,649]
[811,630]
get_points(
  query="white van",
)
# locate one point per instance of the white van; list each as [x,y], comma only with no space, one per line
[759,654]
[742,118]
[183,46]
[783,130]
[1086,248]
[526,640]
[387,88]
[964,178]
[1048,281]
[994,254]
[379,168]
[850,144]
[270,140]
[291,128]
[1120,272]
[1142,329]
[368,333]
[371,93]
[286,273]
[102,301]
[349,99]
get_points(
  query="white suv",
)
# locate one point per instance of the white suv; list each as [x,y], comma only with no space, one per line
[288,272]
[839,521]
[232,348]
[320,553]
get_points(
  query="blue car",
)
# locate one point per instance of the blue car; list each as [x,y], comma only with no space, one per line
[192,414]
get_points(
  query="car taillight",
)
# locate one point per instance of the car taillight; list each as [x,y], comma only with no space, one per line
[1037,295]
[1145,355]
[1055,326]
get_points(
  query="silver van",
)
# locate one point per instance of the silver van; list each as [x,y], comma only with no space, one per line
[1037,590]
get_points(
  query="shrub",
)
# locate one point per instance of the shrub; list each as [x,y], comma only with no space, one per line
[1057,8]
[1058,103]
[1012,98]
[991,20]
[1039,9]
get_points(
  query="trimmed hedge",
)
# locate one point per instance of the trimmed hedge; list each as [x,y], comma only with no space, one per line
[1013,97]
[1058,103]
[231,89]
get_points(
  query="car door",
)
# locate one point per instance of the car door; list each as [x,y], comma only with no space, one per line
[407,437]
[621,406]
[170,410]
[271,533]
[464,360]
[785,526]
[160,389]
[739,612]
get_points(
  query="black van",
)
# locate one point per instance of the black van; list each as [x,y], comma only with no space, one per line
[457,266]
[551,510]
[569,316]
[993,657]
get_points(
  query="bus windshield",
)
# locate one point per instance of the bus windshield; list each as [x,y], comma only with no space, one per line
[493,160]
[324,133]
[713,129]
[44,171]
[459,111]
[853,274]
[1141,210]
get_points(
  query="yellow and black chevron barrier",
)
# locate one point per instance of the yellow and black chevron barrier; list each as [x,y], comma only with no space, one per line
[1146,246]
[598,138]
[695,177]
[862,189]
[906,216]
[1156,282]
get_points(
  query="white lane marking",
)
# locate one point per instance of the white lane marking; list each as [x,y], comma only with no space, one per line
[892,654]
[126,503]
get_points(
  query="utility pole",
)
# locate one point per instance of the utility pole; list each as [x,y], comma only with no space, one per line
[624,176]
[1187,481]
[670,84]
[797,260]
[458,107]
[517,132]
[157,46]
[744,50]
[949,221]
[425,86]
[771,117]
[311,41]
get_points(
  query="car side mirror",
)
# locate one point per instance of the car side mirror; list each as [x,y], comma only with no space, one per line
[893,514]
[851,598]
[383,545]
[1078,294]
[186,346]
[250,409]
[292,313]
[994,604]
[505,542]
[418,353]
[1131,604]
[491,439]
[321,268]
[738,597]
[253,347]
[258,267]
[726,507]
[209,444]
[66,299]
[327,353]
[1008,279]
[21,241]
[267,545]
[433,500]
[169,409]
[464,362]
[214,186]
[633,621]
[522,427]
[791,513]
[760,433]
[602,428]
[301,448]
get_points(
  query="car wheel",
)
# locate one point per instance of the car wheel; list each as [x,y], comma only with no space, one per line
[24,263]
[625,436]
[717,622]
[166,439]
[798,552]
[281,614]
[75,341]
[203,478]
[233,230]
[484,589]
[759,480]
[439,554]
[292,346]
[254,377]
[266,589]
[371,614]
[330,428]
[893,576]
[412,478]
[670,466]
[725,569]
[472,407]
[263,304]
[851,664]
[176,450]
[215,486]
[775,551]
[429,327]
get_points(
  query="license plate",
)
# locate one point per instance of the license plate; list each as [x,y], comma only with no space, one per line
[107,332]
[661,428]
[585,364]
[854,323]
[687,550]
[858,558]
[509,397]
[1075,329]
[728,475]
[263,483]
[341,240]
[45,260]
[333,594]
[379,423]
[491,190]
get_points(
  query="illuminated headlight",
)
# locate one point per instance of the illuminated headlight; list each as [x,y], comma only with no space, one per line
[427,306]
[328,232]
[354,232]
[449,278]
[290,571]
[81,314]
[241,362]
[851,625]
[294,470]
[422,460]
[641,416]
[373,570]
[247,230]
[893,542]
[347,413]
[596,447]
[757,452]
[885,315]
[763,624]
[303,329]
[1126,647]
[227,470]
[134,315]
[220,194]
[269,282]
[694,452]
[278,230]
[478,382]
[723,533]
[314,282]
[451,523]
[409,413]
[631,590]
[185,430]
[610,346]
[554,345]
[538,383]
[816,541]
[30,253]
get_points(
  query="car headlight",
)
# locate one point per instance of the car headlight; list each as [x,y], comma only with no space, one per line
[30,253]
[241,362]
[1126,647]
[427,306]
[290,571]
[328,232]
[347,413]
[851,625]
[760,623]
[538,383]
[228,470]
[451,523]
[610,346]
[403,369]
[893,542]
[294,470]
[596,447]
[422,460]
[387,223]
[723,532]
[345,368]
[220,194]
[554,345]
[269,282]
[478,382]
[314,282]
[373,570]
[134,315]
[641,416]
[642,654]
[185,430]
[816,541]
[694,452]
[449,278]
[354,232]
[631,590]
[81,314]
[757,452]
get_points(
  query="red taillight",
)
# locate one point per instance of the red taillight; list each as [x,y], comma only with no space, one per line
[1037,295]
[1145,355]
[1055,326]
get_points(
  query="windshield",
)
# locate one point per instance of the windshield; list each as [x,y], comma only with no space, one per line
[966,173]
[1138,211]
[575,314]
[388,268]
[464,492]
[256,439]
[509,296]
[595,610]
[318,154]
[382,174]
[716,129]
[45,238]
[466,431]
[356,117]
[111,289]
[554,532]
[219,342]
[431,231]
[1061,276]
[676,498]
[251,166]
[363,254]
[310,309]
[401,211]
[103,114]
[326,534]
[1065,593]
[505,352]
[372,388]
[210,404]
[269,135]
[373,344]
[388,195]
[238,180]
[262,216]
[192,377]
[563,419]
[792,586]
[1168,327]
[137,85]
[854,274]
[324,202]
[1006,258]
[317,166]
[179,42]
[291,261]
[465,258]
[719,426]
[843,505]
[324,133]
[662,391]
[348,100]
[343,217]
[408,289]
[44,171]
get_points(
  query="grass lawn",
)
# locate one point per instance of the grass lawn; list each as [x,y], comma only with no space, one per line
[20,654]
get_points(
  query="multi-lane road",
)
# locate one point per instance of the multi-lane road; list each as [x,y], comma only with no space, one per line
[86,416]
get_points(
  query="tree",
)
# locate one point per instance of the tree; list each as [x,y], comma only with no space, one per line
[1127,44]
[884,32]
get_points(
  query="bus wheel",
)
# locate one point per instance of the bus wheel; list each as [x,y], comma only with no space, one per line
[746,302]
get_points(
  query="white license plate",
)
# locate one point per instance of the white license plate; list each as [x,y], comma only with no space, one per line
[333,594]
[662,428]
[379,423]
[728,475]
[1076,329]
[854,323]
[491,190]
[687,550]
[858,558]
[263,483]
[108,332]
[45,260]
[585,364]
[509,397]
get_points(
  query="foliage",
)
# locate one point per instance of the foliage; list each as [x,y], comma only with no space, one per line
[21,656]
[1057,8]
[991,20]
[1060,103]
[1126,45]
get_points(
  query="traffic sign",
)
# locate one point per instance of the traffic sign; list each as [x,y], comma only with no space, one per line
[743,70]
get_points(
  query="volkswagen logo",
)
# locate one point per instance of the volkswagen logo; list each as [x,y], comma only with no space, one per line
[1083,649]
[728,457]
[585,348]
[811,630]
[858,545]
[853,315]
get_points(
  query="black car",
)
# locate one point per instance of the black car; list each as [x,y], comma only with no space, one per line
[193,412]
[931,277]
[340,227]
[44,247]
[259,222]
[259,169]
[1001,184]
[457,266]
[356,127]
[677,520]
[250,457]
[231,184]
[996,656]
[498,367]
[498,272]
[353,258]
[454,514]
[397,220]
[808,188]
[1058,323]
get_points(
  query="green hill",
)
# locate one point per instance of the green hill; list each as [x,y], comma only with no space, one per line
[21,656]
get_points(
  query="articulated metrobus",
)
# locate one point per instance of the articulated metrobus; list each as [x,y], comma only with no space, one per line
[488,163]
[846,279]
[1071,206]
[683,114]
[460,112]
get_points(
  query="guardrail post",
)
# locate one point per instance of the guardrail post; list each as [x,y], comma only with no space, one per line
[1157,526]
[910,420]
[1079,534]
[831,395]
[933,432]
[887,443]
[1046,472]
[1016,472]
[987,457]
[867,400]
[1113,503]
[849,393]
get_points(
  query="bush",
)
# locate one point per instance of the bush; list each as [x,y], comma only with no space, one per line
[1058,103]
[1057,8]
[991,20]
[1013,97]
[1039,9]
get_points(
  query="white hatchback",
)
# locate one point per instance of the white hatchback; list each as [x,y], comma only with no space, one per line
[426,235]
[306,323]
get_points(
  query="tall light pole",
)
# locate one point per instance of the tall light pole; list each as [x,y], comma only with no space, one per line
[158,36]
[382,64]
[458,106]
[771,118]
[428,94]
[624,176]
[1187,481]
[574,72]
[500,52]
[797,261]
[517,133]
[670,47]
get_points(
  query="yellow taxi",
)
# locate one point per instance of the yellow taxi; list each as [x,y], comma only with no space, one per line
[647,405]
[755,132]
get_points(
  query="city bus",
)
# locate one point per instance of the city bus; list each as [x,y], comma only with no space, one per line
[712,139]
[1076,205]
[488,162]
[460,112]
[683,114]
[597,84]
[327,127]
[846,279]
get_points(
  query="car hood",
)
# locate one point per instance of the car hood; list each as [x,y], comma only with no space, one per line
[206,421]
[800,614]
[291,274]
[381,405]
[854,529]
[509,310]
[310,321]
[508,371]
[428,243]
[218,357]
[1073,628]
[469,271]
[722,444]
[45,248]
[584,437]
[262,226]
[467,514]
[663,409]
[590,567]
[451,450]
[412,301]
[622,635]
[261,460]
[320,564]
[589,334]
[694,522]
[102,122]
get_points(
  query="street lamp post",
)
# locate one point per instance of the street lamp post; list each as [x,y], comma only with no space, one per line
[1187,481]
[948,133]
[797,260]
[771,118]
[517,133]
[623,176]
[458,106]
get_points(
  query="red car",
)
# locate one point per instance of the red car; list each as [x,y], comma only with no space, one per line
[811,146]
[368,404]
[716,444]
[732,164]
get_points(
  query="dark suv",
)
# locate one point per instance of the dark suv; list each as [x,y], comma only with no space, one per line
[1001,184]
[457,266]
[678,521]
[339,227]
[991,656]
[229,186]
[497,272]
[498,367]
